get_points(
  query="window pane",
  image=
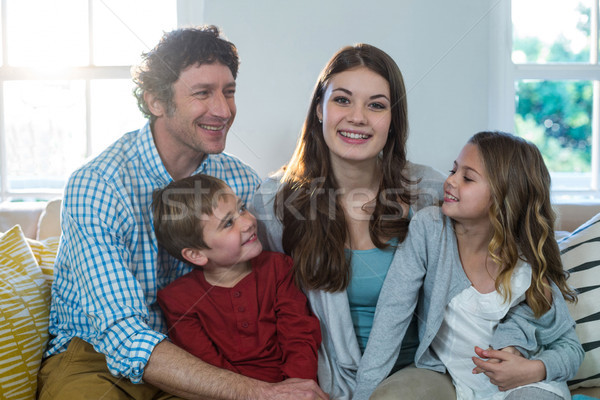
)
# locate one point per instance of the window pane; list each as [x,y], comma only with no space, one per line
[124,29]
[45,132]
[114,111]
[551,31]
[47,33]
[556,116]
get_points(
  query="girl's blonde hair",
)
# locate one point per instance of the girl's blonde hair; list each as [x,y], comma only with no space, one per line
[522,216]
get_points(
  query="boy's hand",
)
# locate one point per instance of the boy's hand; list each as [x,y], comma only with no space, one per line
[507,368]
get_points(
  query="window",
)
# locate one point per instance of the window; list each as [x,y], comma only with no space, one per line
[551,77]
[65,84]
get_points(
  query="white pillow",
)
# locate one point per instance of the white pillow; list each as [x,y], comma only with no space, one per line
[580,253]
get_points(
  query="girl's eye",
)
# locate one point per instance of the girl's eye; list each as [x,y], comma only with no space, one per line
[242,209]
[378,106]
[452,171]
[341,100]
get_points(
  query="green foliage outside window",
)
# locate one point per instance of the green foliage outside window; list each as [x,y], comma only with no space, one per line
[556,115]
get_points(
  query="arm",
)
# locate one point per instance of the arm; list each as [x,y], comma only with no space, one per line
[175,371]
[99,297]
[394,311]
[298,330]
[550,341]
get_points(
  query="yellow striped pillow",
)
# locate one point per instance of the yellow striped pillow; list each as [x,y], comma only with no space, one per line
[44,252]
[24,309]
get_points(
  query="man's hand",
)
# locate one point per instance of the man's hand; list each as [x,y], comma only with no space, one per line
[292,389]
[507,368]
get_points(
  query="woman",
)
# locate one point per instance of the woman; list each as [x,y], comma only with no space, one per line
[342,204]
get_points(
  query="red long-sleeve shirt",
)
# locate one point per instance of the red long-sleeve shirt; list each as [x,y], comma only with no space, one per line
[261,328]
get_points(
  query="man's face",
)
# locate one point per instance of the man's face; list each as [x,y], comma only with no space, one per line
[204,109]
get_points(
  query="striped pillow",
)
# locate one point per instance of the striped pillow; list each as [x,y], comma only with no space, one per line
[580,252]
[24,300]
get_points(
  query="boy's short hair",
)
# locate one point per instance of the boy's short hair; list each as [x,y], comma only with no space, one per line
[178,209]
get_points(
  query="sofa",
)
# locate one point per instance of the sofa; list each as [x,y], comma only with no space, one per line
[29,241]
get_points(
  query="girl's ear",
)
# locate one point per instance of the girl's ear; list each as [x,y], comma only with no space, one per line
[194,256]
[154,105]
[320,111]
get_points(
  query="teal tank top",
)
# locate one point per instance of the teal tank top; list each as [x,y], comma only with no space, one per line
[369,268]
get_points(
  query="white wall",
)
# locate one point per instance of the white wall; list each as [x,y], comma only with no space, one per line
[441,47]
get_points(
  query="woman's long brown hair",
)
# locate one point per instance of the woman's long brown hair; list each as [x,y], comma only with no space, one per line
[314,225]
[522,216]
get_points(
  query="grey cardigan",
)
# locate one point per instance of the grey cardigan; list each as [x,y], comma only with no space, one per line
[339,355]
[426,270]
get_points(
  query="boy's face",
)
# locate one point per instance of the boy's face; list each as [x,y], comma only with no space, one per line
[230,232]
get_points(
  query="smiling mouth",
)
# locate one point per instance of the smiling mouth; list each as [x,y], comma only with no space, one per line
[212,128]
[351,135]
[250,239]
[450,197]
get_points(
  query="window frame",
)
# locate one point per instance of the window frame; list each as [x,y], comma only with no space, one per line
[504,73]
[185,10]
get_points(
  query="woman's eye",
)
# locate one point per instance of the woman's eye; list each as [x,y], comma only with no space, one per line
[378,106]
[341,100]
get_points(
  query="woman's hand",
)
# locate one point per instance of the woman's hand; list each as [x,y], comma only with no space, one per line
[507,368]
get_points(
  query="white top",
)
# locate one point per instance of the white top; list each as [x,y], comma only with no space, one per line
[470,320]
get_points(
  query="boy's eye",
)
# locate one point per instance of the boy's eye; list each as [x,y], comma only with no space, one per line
[228,223]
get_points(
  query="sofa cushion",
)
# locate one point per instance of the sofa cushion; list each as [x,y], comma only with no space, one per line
[580,254]
[24,300]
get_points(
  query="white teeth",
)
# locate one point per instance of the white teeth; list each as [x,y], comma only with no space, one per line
[211,128]
[354,135]
[449,196]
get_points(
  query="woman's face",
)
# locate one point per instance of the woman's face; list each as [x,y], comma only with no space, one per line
[356,115]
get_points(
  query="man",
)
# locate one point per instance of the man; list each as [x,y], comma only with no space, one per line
[108,335]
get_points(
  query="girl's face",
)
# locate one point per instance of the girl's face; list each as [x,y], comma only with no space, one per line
[356,114]
[467,193]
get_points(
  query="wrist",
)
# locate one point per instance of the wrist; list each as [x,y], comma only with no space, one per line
[539,372]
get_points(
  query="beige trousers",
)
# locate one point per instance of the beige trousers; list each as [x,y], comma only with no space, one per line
[412,383]
[81,373]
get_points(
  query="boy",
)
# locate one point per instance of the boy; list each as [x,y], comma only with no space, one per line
[239,309]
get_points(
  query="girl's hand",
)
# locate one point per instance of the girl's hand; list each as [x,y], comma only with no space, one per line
[507,368]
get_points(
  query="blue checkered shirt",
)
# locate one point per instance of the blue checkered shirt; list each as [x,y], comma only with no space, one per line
[108,268]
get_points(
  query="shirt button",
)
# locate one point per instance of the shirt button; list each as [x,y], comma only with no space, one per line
[241,308]
[244,324]
[236,294]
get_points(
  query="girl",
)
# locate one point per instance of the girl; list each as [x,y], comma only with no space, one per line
[491,275]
